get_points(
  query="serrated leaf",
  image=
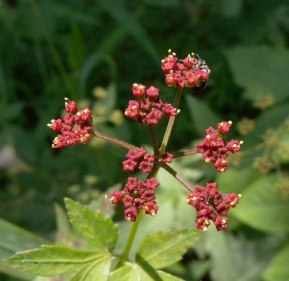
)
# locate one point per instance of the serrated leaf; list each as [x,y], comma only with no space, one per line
[198,108]
[97,271]
[133,272]
[130,272]
[168,277]
[278,269]
[52,260]
[162,249]
[95,228]
[263,208]
[260,70]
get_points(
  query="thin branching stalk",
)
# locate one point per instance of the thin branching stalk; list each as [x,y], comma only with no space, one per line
[178,177]
[171,122]
[113,140]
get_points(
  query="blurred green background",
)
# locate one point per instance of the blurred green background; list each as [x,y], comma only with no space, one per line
[92,52]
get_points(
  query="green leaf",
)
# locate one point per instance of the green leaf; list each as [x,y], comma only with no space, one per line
[278,269]
[129,272]
[234,257]
[263,208]
[168,277]
[95,228]
[201,114]
[64,232]
[97,271]
[162,249]
[76,48]
[133,272]
[236,180]
[52,260]
[14,238]
[261,70]
[271,118]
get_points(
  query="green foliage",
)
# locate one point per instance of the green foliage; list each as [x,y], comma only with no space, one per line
[13,239]
[98,231]
[260,70]
[278,270]
[134,272]
[166,248]
[157,251]
[262,206]
[53,260]
[243,258]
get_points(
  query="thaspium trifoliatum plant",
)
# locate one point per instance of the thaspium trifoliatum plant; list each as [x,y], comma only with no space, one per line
[98,261]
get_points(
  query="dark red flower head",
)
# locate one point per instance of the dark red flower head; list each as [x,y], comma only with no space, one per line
[74,127]
[211,205]
[191,72]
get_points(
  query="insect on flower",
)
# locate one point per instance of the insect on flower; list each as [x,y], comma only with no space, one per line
[200,65]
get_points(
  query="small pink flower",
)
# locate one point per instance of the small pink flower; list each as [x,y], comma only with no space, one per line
[211,205]
[74,127]
[215,149]
[224,127]
[138,90]
[149,109]
[135,196]
[152,92]
[70,106]
[190,72]
[129,165]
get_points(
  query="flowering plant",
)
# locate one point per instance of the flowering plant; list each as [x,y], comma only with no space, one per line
[138,196]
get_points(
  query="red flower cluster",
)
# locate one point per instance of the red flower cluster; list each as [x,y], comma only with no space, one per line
[215,149]
[139,158]
[75,127]
[135,196]
[211,205]
[189,72]
[148,108]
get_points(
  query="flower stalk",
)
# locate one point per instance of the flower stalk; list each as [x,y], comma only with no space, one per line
[171,122]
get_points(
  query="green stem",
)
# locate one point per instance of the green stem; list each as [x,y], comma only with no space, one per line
[130,239]
[171,123]
[113,140]
[184,153]
[154,140]
[179,178]
[135,226]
